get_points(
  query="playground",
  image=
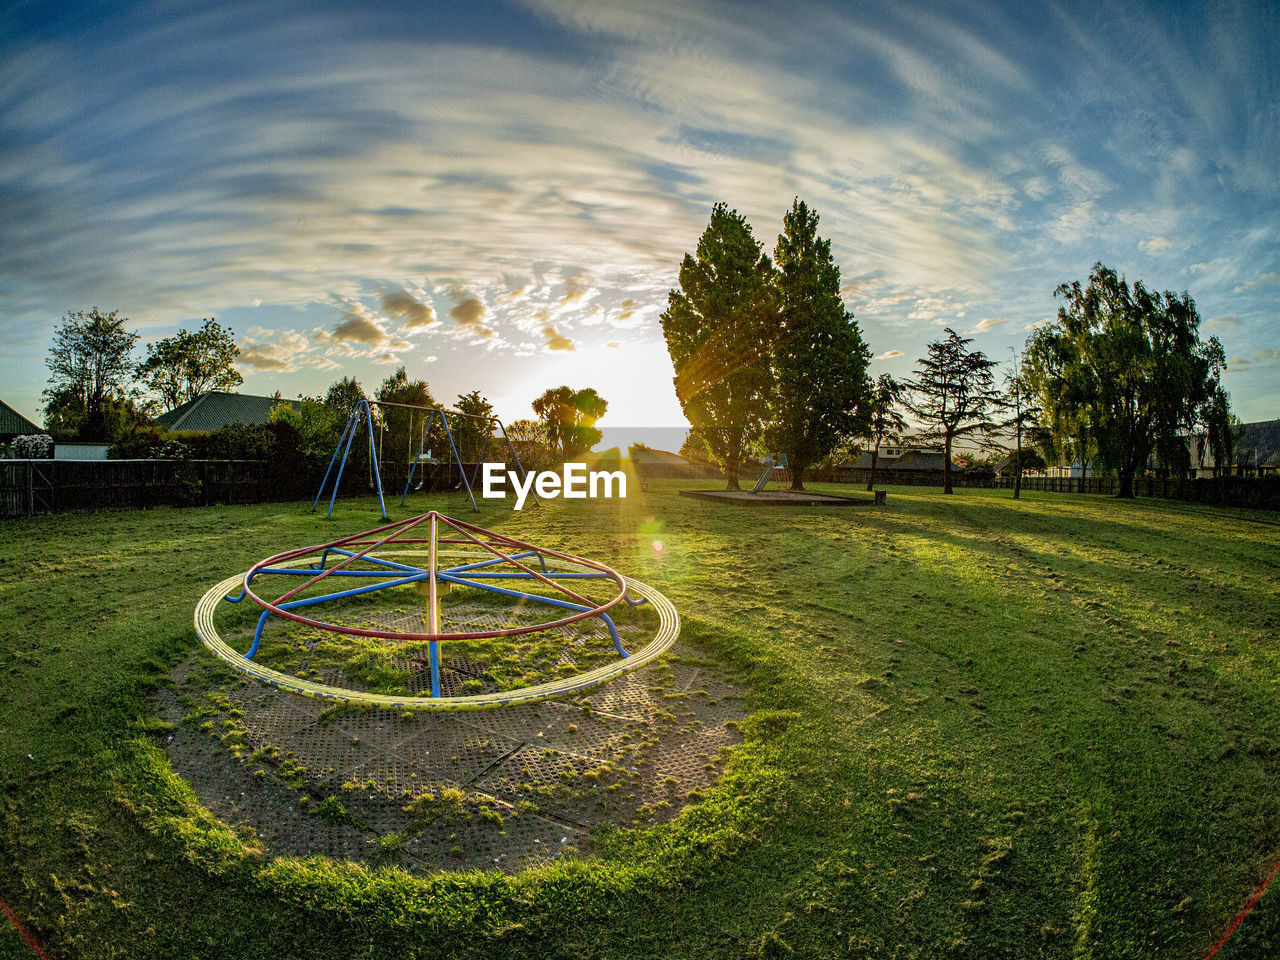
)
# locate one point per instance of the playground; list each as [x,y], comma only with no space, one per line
[945,726]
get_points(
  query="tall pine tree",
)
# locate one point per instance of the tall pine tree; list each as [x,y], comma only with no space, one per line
[719,327]
[821,391]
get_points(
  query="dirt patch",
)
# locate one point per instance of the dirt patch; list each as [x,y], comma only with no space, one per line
[501,788]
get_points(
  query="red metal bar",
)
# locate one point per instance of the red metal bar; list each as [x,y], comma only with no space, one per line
[353,558]
[355,539]
[496,552]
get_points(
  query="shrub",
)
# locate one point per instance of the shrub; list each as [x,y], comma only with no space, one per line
[34,446]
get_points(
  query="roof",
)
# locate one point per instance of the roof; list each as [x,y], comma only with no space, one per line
[1259,444]
[911,460]
[15,424]
[215,409]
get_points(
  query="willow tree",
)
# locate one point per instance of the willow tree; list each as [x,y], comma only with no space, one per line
[820,391]
[953,393]
[719,327]
[1129,363]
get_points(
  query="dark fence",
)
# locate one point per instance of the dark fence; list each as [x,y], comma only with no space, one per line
[896,478]
[1257,492]
[54,486]
[1261,493]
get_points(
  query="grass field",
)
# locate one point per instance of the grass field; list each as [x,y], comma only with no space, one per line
[981,728]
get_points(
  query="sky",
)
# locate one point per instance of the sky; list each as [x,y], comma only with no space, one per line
[498,195]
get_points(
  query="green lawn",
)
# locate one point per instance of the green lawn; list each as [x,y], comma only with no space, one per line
[982,728]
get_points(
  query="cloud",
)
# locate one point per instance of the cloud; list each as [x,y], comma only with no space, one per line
[890,354]
[990,323]
[1265,280]
[411,311]
[359,328]
[946,171]
[555,341]
[1036,325]
[1262,357]
[470,314]
[1228,321]
[275,350]
[520,294]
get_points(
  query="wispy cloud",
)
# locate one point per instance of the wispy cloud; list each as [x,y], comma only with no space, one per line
[990,323]
[292,162]
[1266,280]
[890,354]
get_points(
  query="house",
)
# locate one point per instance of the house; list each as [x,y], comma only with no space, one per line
[13,424]
[900,457]
[1256,453]
[215,409]
[80,450]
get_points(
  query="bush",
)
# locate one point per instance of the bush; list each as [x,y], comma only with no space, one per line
[34,446]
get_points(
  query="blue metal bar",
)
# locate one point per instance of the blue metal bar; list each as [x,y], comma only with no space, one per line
[340,595]
[311,572]
[489,563]
[355,414]
[433,655]
[516,457]
[484,445]
[526,576]
[613,630]
[422,442]
[458,460]
[373,455]
[332,461]
[378,560]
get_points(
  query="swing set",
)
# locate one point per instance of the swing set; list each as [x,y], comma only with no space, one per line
[363,411]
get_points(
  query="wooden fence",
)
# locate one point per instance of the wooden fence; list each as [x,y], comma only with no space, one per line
[1262,493]
[30,487]
[1257,492]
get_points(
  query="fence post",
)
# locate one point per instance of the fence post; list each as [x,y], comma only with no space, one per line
[31,490]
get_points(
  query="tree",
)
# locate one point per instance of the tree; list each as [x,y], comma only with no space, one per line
[885,422]
[820,386]
[694,449]
[474,432]
[1023,417]
[1128,364]
[181,367]
[569,417]
[317,424]
[952,393]
[1058,388]
[401,428]
[91,364]
[344,394]
[719,328]
[530,441]
[1223,431]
